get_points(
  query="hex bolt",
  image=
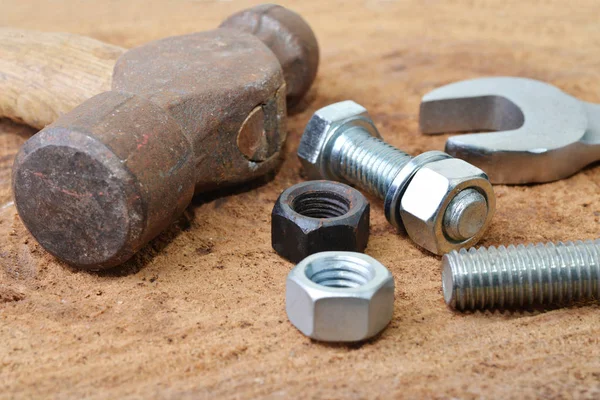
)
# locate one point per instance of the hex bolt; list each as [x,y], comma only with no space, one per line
[522,276]
[373,165]
[341,143]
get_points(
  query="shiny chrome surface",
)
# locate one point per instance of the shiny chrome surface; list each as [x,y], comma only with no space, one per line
[341,143]
[340,296]
[522,276]
[541,133]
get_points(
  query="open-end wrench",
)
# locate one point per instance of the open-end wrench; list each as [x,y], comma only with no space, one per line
[541,133]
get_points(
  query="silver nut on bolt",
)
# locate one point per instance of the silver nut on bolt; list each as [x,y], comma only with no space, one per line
[339,296]
[447,204]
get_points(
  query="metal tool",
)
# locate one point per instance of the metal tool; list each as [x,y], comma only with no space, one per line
[316,216]
[522,276]
[185,114]
[442,202]
[543,134]
[340,296]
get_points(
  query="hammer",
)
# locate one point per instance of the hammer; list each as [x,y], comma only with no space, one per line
[183,115]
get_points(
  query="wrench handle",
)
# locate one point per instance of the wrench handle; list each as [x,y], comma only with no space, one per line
[44,75]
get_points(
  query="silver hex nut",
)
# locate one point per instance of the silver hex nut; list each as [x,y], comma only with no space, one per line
[321,131]
[427,209]
[339,296]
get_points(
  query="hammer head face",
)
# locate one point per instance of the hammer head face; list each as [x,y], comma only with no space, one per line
[84,221]
[103,180]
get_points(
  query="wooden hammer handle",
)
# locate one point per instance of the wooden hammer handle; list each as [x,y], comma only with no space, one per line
[45,75]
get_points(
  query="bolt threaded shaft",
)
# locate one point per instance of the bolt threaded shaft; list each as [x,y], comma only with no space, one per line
[366,161]
[521,276]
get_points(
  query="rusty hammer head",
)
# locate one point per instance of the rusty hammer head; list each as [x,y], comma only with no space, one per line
[291,40]
[185,114]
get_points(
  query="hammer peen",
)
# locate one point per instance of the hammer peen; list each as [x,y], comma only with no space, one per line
[180,115]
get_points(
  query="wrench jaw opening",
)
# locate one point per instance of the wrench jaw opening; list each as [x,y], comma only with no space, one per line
[481,114]
[468,114]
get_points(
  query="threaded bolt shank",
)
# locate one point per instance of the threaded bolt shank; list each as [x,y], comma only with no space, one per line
[367,161]
[522,276]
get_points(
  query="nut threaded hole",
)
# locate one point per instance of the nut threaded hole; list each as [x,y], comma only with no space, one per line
[340,273]
[321,205]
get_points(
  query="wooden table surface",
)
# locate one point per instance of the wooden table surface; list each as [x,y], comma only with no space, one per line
[200,311]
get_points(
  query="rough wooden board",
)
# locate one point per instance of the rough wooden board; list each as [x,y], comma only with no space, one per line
[200,312]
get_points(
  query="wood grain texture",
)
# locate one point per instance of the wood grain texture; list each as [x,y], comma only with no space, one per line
[44,75]
[200,311]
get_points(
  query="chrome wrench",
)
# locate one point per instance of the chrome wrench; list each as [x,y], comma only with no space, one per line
[541,134]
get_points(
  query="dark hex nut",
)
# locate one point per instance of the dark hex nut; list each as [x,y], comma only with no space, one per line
[316,216]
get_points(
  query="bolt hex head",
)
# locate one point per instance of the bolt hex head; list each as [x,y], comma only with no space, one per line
[324,126]
[426,199]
